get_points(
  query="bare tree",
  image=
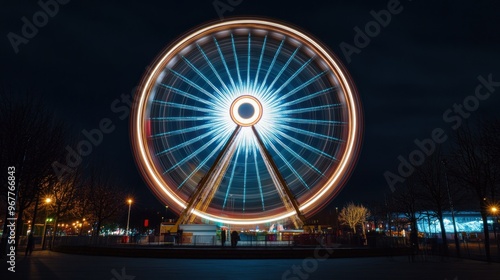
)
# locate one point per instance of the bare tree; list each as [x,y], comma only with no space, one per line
[435,192]
[474,165]
[31,140]
[491,143]
[491,140]
[354,215]
[103,198]
[378,212]
[406,200]
[64,195]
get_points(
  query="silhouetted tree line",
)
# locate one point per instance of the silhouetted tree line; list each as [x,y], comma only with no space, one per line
[32,138]
[462,174]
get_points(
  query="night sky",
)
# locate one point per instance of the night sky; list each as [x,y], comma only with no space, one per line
[88,57]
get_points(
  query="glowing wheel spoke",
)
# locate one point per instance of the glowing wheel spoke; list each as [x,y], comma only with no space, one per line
[188,95]
[210,64]
[272,64]
[224,62]
[185,107]
[203,77]
[290,59]
[287,163]
[278,91]
[307,97]
[236,60]
[193,84]
[308,133]
[307,146]
[184,130]
[260,63]
[248,63]
[300,87]
[312,121]
[185,144]
[200,165]
[311,109]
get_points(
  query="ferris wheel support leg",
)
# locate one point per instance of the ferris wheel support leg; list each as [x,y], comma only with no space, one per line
[214,180]
[213,174]
[286,195]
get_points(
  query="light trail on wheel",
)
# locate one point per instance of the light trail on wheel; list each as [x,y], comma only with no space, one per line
[251,111]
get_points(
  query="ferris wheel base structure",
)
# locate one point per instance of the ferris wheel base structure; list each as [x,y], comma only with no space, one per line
[246,122]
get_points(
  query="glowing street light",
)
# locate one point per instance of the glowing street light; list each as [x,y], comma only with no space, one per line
[48,200]
[129,201]
[494,211]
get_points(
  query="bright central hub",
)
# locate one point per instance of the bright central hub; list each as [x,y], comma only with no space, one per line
[246,110]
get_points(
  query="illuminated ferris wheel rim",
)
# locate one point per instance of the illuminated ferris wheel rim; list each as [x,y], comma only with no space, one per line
[352,103]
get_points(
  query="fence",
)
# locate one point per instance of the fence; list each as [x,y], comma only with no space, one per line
[427,246]
[246,240]
[108,240]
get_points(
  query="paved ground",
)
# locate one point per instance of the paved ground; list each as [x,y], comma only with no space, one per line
[51,265]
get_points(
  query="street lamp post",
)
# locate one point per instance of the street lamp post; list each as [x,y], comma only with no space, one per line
[129,201]
[494,211]
[457,243]
[47,202]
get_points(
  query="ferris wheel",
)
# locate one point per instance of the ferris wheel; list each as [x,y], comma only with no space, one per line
[246,121]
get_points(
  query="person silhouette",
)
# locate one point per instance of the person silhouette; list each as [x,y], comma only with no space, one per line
[30,246]
[222,237]
[235,237]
